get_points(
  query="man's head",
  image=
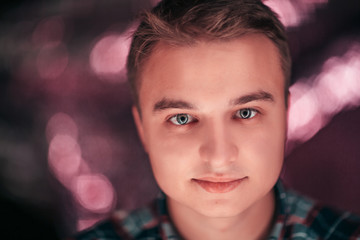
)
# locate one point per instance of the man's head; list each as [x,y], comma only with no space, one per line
[187,22]
[209,78]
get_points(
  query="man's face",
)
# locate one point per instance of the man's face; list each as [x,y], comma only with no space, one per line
[213,121]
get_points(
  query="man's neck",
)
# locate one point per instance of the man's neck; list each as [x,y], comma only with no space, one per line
[253,223]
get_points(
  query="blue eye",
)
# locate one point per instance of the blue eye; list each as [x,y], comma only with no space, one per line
[246,113]
[181,119]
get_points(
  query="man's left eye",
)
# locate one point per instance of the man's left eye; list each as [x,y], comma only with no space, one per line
[246,113]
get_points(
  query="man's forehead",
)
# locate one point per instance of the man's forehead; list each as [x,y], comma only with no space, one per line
[172,68]
[243,43]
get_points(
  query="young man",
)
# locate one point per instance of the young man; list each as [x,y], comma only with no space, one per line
[210,81]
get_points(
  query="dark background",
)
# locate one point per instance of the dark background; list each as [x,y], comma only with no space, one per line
[37,38]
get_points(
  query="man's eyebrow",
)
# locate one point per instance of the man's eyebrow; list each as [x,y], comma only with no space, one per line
[256,96]
[166,103]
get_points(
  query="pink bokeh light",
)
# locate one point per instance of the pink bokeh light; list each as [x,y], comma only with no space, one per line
[305,117]
[64,157]
[288,15]
[52,61]
[316,100]
[94,192]
[293,13]
[61,123]
[338,86]
[108,57]
[315,1]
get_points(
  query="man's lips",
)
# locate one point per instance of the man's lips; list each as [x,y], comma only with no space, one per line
[218,185]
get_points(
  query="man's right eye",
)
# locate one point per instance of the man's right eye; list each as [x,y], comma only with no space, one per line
[182,119]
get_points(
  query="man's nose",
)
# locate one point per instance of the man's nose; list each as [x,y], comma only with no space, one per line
[218,147]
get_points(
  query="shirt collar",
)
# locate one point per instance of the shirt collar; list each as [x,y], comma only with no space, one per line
[281,199]
[167,228]
[282,211]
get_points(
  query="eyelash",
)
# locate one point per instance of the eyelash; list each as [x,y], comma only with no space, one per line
[190,119]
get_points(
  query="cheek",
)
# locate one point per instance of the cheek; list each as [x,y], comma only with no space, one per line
[172,156]
[171,145]
[264,149]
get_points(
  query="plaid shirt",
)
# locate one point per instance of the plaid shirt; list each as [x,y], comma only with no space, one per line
[296,218]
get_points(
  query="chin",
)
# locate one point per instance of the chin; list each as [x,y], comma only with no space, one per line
[220,210]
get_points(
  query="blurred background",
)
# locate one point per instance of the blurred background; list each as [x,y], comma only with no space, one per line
[69,153]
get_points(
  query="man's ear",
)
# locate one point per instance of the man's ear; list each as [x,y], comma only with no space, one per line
[139,126]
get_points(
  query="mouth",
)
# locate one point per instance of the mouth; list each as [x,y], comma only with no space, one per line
[218,185]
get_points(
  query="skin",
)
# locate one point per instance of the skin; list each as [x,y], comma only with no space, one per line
[211,83]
